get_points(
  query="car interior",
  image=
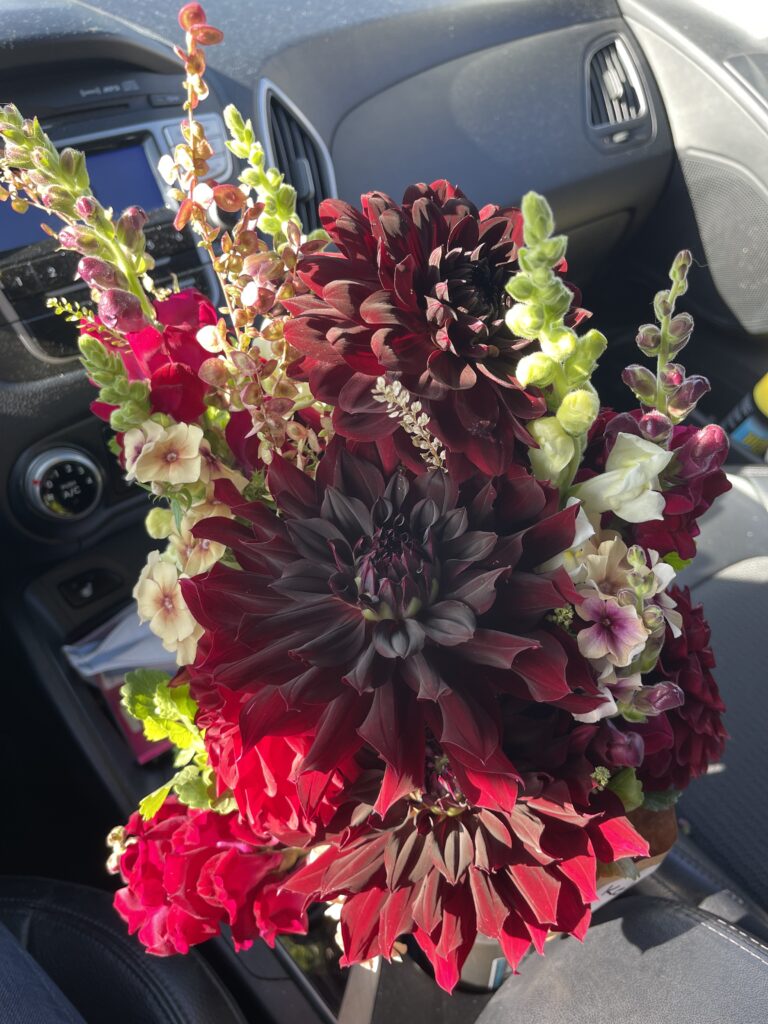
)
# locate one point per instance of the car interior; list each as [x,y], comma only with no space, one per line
[645,123]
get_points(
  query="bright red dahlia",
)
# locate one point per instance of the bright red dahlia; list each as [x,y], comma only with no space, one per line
[443,871]
[189,872]
[373,608]
[417,291]
[699,733]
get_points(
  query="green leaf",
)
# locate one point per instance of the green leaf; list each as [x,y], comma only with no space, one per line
[628,788]
[677,563]
[138,691]
[152,803]
[191,788]
[661,801]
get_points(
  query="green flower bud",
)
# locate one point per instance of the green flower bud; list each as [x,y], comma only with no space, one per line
[537,369]
[578,411]
[159,523]
[525,319]
[580,366]
[681,265]
[553,250]
[538,220]
[520,287]
[558,342]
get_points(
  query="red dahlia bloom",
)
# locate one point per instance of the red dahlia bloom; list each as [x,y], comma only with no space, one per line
[189,872]
[417,291]
[372,609]
[699,735]
[444,871]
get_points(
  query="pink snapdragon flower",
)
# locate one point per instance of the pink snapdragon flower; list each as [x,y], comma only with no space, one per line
[618,633]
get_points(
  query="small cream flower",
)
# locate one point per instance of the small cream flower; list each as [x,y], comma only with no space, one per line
[172,456]
[161,604]
[134,443]
[212,468]
[194,554]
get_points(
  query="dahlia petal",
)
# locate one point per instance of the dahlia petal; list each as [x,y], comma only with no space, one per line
[350,514]
[398,639]
[423,678]
[340,637]
[323,268]
[307,334]
[360,926]
[261,714]
[490,908]
[515,939]
[457,852]
[582,871]
[427,910]
[547,538]
[544,670]
[466,725]
[353,871]
[378,310]
[451,370]
[539,889]
[495,649]
[312,538]
[395,919]
[336,734]
[394,728]
[478,590]
[294,491]
[449,623]
[495,789]
[615,838]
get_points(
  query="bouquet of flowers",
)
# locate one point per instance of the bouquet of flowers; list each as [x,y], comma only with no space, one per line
[419,583]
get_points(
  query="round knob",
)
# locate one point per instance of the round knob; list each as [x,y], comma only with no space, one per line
[63,484]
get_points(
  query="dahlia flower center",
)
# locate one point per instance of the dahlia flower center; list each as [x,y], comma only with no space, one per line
[391,571]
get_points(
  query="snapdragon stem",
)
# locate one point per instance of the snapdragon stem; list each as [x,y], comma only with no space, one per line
[663,355]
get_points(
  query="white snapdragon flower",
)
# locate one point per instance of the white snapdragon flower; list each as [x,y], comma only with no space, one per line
[629,485]
[161,603]
[156,454]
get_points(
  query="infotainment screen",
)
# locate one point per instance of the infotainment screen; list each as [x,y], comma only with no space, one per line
[120,177]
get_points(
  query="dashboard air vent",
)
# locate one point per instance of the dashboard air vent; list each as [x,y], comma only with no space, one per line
[301,155]
[615,93]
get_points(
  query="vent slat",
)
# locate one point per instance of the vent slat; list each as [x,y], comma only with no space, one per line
[613,96]
[297,153]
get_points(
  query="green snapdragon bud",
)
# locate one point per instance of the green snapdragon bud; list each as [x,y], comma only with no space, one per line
[555,451]
[578,411]
[538,220]
[537,369]
[525,320]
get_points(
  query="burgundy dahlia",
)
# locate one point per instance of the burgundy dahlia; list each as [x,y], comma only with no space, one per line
[698,732]
[417,291]
[375,608]
[443,871]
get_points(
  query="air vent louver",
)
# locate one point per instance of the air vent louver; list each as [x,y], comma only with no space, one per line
[301,159]
[614,88]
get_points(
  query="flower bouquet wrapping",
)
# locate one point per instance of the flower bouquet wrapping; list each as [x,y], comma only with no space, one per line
[420,584]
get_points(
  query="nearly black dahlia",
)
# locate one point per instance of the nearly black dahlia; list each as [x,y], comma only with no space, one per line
[417,291]
[373,609]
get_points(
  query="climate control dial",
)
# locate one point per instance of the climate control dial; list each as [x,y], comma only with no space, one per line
[63,484]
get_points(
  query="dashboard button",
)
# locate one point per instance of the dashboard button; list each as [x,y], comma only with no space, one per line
[89,586]
[63,484]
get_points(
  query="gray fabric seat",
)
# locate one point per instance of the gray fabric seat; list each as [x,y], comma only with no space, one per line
[728,810]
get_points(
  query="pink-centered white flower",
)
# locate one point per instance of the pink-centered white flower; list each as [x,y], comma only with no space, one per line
[170,456]
[197,554]
[618,633]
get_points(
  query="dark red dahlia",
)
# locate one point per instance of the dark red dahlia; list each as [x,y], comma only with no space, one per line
[373,608]
[443,871]
[417,291]
[699,733]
